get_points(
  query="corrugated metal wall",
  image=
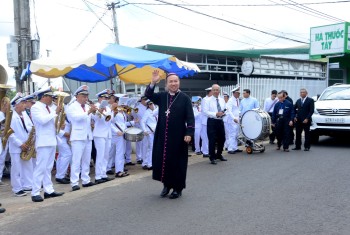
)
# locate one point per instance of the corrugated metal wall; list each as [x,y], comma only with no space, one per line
[261,87]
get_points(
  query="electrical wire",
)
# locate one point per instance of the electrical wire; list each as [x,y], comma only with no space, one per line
[88,6]
[233,23]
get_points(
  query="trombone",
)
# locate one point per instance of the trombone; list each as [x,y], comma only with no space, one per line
[125,109]
[107,117]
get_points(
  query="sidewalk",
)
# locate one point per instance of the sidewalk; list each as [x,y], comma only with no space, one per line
[17,204]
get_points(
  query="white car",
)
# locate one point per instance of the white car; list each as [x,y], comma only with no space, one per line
[332,112]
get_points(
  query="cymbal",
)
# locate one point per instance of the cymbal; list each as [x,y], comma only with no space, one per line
[5,86]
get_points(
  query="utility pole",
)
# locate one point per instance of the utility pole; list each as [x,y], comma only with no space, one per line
[23,37]
[112,7]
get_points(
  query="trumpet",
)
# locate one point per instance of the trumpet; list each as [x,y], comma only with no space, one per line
[107,117]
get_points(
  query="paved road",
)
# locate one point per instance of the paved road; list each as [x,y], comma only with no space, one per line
[269,193]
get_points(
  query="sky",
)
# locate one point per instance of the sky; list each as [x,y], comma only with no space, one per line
[67,25]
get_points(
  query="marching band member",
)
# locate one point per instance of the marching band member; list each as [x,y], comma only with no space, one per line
[79,114]
[3,152]
[20,169]
[148,124]
[204,134]
[233,121]
[30,101]
[113,103]
[118,128]
[64,152]
[45,144]
[198,123]
[102,136]
[226,124]
[141,146]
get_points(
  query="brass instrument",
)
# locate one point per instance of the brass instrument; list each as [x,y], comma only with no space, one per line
[61,117]
[5,101]
[107,117]
[126,109]
[30,153]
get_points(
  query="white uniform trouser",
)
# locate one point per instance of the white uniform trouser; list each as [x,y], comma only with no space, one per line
[204,137]
[128,151]
[120,145]
[21,169]
[112,152]
[233,134]
[2,160]
[45,157]
[102,146]
[64,158]
[81,157]
[197,138]
[227,135]
[147,160]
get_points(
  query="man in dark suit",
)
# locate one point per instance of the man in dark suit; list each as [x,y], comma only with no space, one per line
[304,108]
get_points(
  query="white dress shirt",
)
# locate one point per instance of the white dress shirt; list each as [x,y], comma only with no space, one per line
[210,107]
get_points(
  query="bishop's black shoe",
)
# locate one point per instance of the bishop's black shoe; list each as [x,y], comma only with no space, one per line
[175,194]
[54,194]
[165,192]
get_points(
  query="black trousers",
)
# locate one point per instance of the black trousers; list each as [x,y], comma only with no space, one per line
[282,131]
[216,135]
[300,127]
[272,135]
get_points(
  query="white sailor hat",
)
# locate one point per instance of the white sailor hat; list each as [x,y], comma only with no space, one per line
[123,101]
[195,98]
[225,94]
[29,98]
[82,90]
[208,89]
[236,89]
[118,95]
[17,99]
[149,102]
[43,91]
[104,93]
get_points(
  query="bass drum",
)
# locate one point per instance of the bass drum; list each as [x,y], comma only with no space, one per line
[256,124]
[133,134]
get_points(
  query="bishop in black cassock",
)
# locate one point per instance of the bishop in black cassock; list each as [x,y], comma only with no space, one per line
[170,151]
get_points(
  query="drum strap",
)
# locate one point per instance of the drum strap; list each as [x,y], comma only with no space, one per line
[149,128]
[274,102]
[118,127]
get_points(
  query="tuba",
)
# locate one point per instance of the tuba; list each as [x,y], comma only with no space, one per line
[61,117]
[5,104]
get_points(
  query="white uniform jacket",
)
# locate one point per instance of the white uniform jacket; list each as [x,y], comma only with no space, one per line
[80,122]
[232,109]
[20,135]
[197,116]
[102,128]
[140,113]
[44,122]
[119,123]
[149,121]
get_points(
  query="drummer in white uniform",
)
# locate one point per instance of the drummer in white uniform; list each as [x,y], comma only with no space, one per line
[118,141]
[233,121]
[198,123]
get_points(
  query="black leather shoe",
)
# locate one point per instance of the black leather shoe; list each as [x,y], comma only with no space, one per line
[213,162]
[145,167]
[37,198]
[296,148]
[75,188]
[206,155]
[139,161]
[221,158]
[62,181]
[231,152]
[175,195]
[100,181]
[2,210]
[88,184]
[306,149]
[165,192]
[150,168]
[110,172]
[199,153]
[130,164]
[238,151]
[107,179]
[54,194]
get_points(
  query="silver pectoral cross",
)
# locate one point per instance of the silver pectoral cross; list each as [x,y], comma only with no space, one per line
[167,112]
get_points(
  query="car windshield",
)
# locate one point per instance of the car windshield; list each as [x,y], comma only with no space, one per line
[336,93]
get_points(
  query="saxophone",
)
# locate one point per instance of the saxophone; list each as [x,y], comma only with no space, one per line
[30,153]
[61,117]
[7,127]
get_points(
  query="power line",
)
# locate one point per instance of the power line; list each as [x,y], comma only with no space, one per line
[245,5]
[230,22]
[88,6]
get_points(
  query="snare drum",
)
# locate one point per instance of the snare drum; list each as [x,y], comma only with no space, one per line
[133,134]
[256,124]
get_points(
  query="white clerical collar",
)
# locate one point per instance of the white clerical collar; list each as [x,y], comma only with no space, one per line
[172,93]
